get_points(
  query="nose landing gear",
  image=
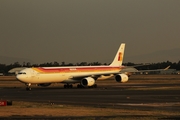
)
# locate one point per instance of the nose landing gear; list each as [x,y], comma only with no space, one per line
[28,88]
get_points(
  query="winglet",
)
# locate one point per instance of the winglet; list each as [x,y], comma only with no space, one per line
[118,59]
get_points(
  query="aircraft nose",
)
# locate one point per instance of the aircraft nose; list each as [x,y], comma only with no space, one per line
[19,77]
[22,78]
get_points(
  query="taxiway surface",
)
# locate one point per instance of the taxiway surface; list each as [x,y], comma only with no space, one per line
[109,93]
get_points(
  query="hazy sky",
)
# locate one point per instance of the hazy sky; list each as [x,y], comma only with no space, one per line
[87,30]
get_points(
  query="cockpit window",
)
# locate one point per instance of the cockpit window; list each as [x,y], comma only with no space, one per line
[21,73]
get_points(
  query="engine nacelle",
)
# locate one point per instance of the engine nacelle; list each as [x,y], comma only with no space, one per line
[121,78]
[88,81]
[44,84]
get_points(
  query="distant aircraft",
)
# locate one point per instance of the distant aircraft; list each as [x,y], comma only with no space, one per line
[85,76]
[129,70]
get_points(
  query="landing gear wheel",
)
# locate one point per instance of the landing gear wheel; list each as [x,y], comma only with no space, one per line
[68,86]
[28,88]
[80,86]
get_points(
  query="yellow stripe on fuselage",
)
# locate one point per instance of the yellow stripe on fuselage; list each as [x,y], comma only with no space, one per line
[75,69]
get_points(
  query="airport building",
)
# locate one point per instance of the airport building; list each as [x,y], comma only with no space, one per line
[178,72]
[1,74]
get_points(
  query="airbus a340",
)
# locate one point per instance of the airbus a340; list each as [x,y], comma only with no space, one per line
[85,76]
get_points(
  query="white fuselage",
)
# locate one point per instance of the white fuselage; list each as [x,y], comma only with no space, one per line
[65,74]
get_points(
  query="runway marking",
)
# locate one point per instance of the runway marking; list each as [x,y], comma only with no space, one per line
[151,104]
[132,86]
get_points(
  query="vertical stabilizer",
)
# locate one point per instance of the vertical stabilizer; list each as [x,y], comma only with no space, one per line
[119,56]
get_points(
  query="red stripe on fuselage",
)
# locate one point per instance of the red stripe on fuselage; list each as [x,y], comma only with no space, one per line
[75,69]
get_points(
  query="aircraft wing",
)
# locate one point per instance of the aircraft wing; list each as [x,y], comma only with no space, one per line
[130,70]
[95,75]
[155,69]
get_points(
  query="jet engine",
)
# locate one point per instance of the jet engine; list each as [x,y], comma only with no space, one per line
[88,81]
[44,84]
[121,78]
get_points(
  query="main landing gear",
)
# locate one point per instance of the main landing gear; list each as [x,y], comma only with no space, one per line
[68,86]
[28,88]
[81,86]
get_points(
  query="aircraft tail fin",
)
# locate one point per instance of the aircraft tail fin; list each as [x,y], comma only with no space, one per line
[119,56]
[167,67]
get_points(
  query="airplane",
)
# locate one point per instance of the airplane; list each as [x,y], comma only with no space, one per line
[85,76]
[129,70]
